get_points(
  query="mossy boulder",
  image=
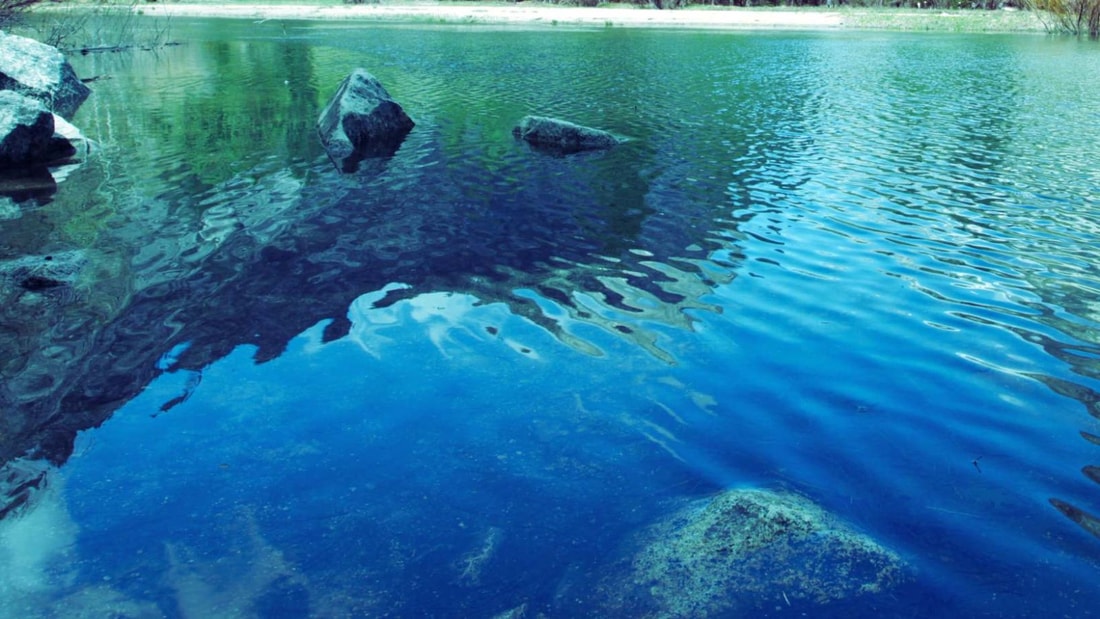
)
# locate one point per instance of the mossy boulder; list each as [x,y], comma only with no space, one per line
[744,551]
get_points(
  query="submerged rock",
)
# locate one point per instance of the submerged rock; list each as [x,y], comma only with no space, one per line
[40,71]
[1084,519]
[562,136]
[39,273]
[746,550]
[361,121]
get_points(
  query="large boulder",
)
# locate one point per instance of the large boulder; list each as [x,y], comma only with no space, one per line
[562,136]
[40,71]
[361,121]
[27,133]
[64,129]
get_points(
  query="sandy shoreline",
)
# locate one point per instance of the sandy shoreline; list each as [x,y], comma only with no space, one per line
[535,15]
[531,15]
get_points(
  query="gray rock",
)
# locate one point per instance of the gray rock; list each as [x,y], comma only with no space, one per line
[81,145]
[361,121]
[40,71]
[64,129]
[27,133]
[562,136]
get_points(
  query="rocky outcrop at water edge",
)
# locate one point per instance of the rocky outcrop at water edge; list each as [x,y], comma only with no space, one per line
[40,71]
[562,136]
[28,133]
[361,121]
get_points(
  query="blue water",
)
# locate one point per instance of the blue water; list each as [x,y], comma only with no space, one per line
[871,281]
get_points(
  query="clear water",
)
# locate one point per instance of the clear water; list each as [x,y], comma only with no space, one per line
[860,268]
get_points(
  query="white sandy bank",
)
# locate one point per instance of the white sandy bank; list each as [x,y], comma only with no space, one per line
[518,14]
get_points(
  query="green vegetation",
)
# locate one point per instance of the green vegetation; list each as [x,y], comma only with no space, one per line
[942,21]
[99,26]
[1074,17]
[746,550]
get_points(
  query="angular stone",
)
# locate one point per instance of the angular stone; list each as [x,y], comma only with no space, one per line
[40,71]
[361,121]
[562,136]
[26,130]
[64,130]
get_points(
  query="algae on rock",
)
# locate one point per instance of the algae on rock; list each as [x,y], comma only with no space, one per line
[745,550]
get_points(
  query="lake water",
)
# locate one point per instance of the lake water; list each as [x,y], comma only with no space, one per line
[479,380]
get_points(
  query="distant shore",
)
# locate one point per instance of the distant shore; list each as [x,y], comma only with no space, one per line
[618,16]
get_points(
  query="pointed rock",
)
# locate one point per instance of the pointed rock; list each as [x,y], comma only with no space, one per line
[27,133]
[361,121]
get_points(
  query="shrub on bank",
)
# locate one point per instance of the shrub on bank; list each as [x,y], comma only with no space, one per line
[1070,16]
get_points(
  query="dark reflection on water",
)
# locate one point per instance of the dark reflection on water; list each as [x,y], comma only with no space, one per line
[218,223]
[886,238]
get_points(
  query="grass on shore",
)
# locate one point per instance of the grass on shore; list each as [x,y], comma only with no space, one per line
[942,21]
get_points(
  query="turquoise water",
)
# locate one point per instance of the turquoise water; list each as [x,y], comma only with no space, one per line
[475,378]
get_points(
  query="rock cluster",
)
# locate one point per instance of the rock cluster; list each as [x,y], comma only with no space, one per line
[38,91]
[40,71]
[27,132]
[362,120]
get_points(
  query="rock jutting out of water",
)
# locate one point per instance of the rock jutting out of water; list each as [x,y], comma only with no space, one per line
[745,550]
[27,133]
[361,121]
[38,90]
[41,72]
[235,274]
[562,136]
